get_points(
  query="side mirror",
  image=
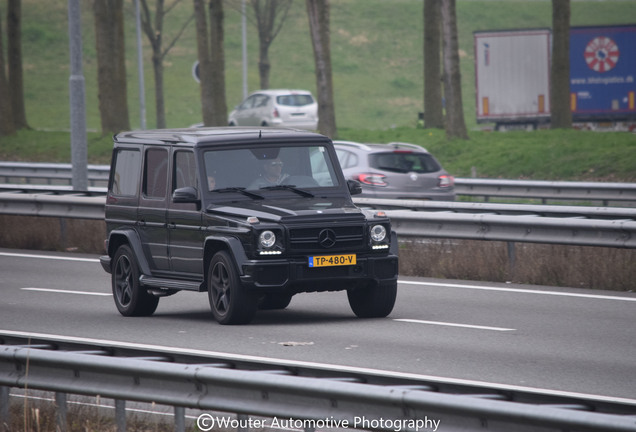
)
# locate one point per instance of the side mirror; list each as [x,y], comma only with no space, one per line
[185,195]
[354,187]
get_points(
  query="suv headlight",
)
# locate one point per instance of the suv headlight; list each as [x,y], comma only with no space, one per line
[270,242]
[378,233]
[267,239]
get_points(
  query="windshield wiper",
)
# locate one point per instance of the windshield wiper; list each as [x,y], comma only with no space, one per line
[292,188]
[239,190]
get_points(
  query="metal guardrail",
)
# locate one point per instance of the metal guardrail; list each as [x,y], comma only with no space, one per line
[342,400]
[54,203]
[567,225]
[547,190]
[49,173]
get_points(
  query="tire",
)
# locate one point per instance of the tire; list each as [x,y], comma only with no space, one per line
[130,298]
[373,300]
[229,301]
[275,301]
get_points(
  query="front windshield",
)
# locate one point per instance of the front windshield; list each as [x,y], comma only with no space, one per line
[269,168]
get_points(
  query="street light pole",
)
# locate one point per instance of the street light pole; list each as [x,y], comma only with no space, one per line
[79,160]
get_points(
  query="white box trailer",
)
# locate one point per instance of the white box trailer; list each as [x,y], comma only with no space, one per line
[512,74]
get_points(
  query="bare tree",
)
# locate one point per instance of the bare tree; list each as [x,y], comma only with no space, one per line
[6,113]
[111,65]
[318,12]
[455,124]
[433,109]
[270,17]
[154,33]
[560,72]
[211,62]
[14,58]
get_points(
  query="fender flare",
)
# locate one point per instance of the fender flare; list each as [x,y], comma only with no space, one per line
[232,244]
[133,240]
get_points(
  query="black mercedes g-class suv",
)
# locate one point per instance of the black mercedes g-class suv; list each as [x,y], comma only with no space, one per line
[251,216]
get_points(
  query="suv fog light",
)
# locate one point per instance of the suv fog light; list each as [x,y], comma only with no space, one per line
[381,246]
[378,233]
[267,239]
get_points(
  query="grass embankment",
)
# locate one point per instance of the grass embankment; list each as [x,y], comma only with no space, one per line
[539,155]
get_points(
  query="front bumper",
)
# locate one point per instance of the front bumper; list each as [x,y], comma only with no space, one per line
[296,276]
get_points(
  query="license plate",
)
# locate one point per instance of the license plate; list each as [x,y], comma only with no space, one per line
[332,260]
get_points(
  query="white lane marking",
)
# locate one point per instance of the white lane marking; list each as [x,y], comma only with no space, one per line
[66,291]
[432,284]
[520,290]
[326,366]
[470,326]
[51,257]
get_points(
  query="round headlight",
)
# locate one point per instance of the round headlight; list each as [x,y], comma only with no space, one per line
[378,233]
[267,239]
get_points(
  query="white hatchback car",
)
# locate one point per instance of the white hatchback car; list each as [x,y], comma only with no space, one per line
[277,108]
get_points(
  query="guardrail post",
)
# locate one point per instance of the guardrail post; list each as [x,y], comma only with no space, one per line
[60,403]
[120,415]
[179,419]
[242,420]
[63,233]
[512,259]
[4,408]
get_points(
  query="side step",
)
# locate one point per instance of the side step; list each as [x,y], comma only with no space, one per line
[170,285]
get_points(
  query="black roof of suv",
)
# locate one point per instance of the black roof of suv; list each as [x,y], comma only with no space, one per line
[251,216]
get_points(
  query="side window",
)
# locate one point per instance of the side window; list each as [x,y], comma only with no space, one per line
[184,170]
[248,103]
[126,173]
[261,101]
[322,169]
[156,173]
[346,158]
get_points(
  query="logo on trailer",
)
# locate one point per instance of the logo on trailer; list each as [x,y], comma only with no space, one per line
[601,54]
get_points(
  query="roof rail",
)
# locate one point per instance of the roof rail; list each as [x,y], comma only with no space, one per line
[397,144]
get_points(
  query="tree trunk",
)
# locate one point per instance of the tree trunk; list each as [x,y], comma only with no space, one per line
[211,62]
[263,65]
[155,37]
[433,110]
[455,125]
[318,12]
[205,63]
[14,57]
[160,105]
[111,66]
[7,126]
[268,29]
[217,57]
[560,72]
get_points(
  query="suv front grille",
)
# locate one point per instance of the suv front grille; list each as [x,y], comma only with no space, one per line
[325,239]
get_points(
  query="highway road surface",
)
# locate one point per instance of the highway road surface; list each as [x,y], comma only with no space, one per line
[557,339]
